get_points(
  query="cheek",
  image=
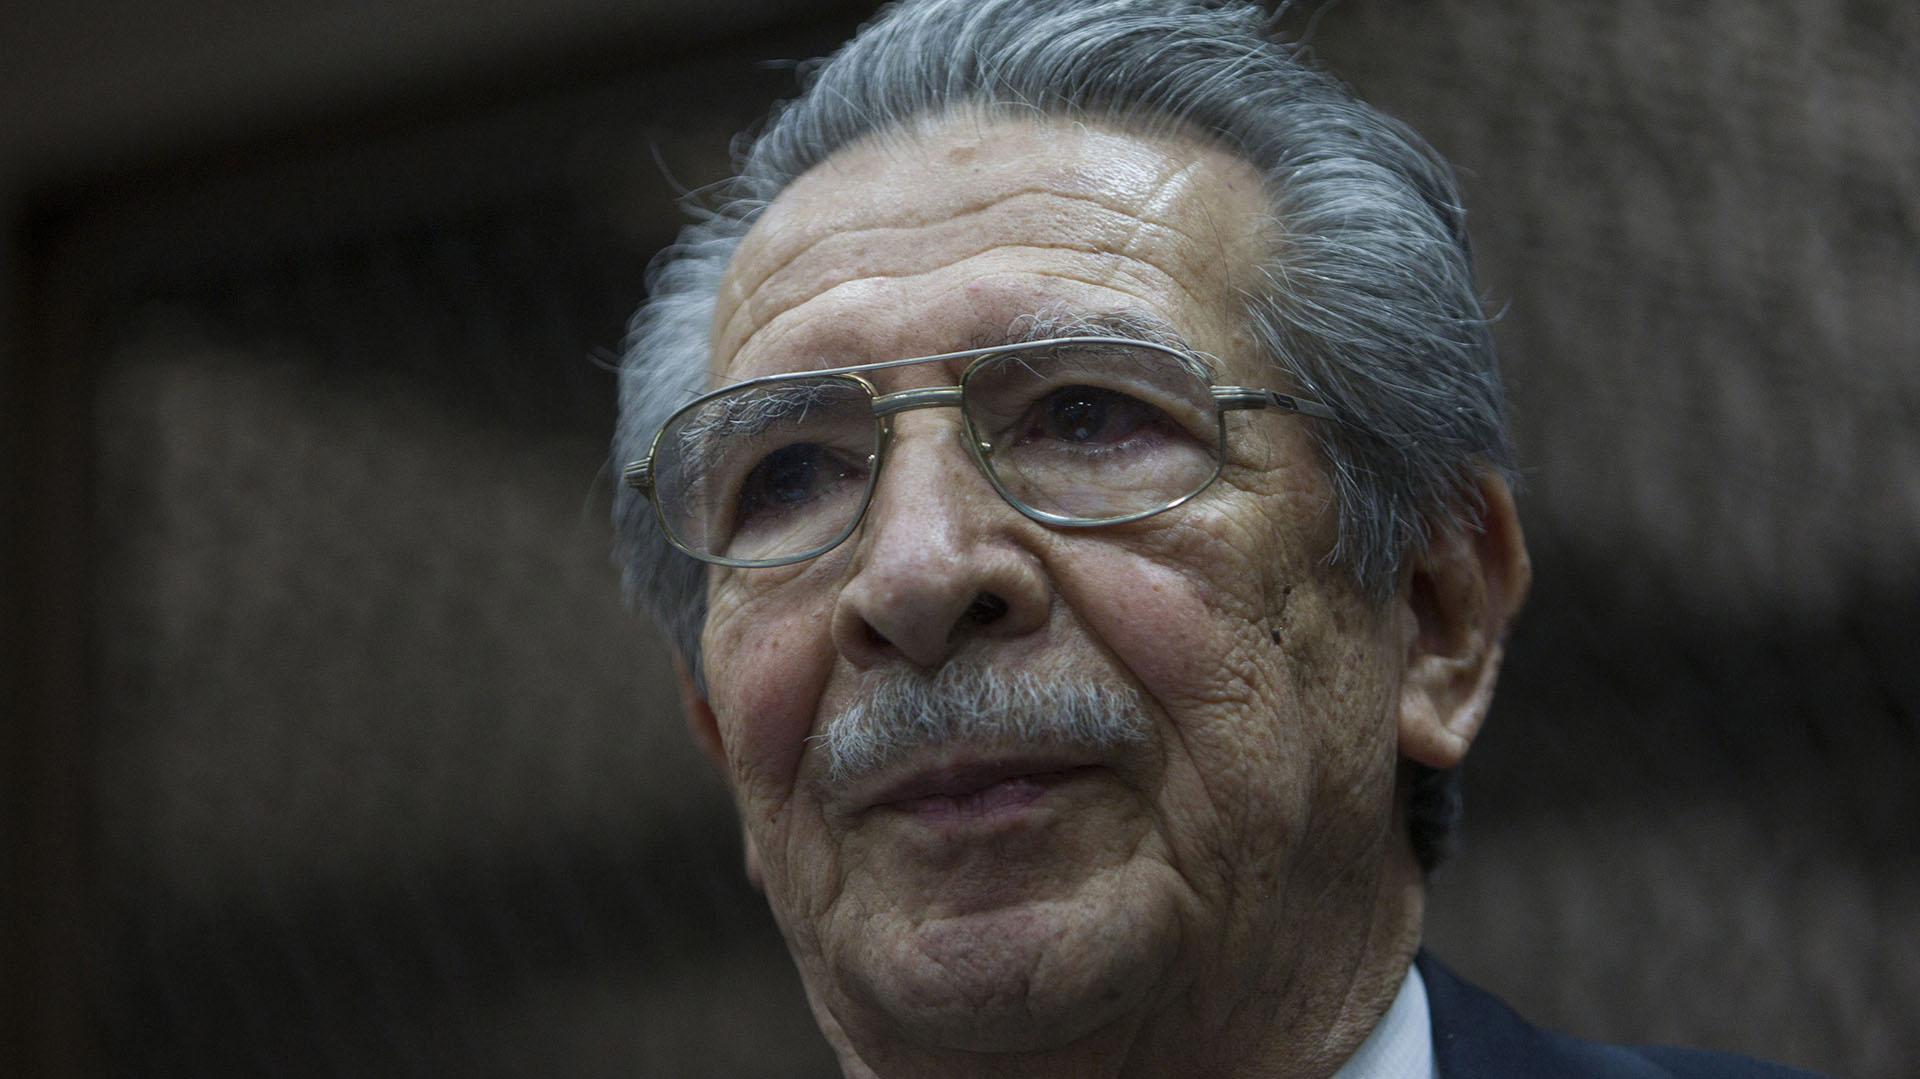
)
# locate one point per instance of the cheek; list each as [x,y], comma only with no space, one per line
[1158,617]
[765,680]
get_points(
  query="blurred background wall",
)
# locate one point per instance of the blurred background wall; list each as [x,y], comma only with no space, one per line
[328,748]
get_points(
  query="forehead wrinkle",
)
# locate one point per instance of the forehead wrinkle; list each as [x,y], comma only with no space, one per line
[816,231]
[817,234]
[795,319]
[1128,268]
[1160,205]
[905,163]
[1136,245]
[817,238]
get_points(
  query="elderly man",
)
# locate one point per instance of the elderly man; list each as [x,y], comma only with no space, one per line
[1070,465]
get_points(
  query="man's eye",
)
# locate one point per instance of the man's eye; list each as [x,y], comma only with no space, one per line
[790,477]
[1090,416]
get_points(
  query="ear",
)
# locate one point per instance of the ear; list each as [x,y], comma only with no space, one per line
[700,718]
[1461,596]
[706,733]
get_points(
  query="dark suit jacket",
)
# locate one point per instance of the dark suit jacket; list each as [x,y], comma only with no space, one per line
[1475,1036]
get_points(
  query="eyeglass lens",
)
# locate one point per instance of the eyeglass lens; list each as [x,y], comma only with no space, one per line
[1082,434]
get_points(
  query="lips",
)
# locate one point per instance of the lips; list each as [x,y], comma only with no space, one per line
[982,792]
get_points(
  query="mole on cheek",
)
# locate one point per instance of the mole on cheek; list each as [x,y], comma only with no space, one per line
[1278,613]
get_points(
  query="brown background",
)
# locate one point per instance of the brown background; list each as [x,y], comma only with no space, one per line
[329,750]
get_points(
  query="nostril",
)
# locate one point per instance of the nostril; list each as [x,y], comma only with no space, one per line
[986,608]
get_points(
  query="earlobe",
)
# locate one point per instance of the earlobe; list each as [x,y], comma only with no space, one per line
[1443,701]
[1460,597]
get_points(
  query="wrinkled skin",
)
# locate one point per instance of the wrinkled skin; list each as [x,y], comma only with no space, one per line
[1235,897]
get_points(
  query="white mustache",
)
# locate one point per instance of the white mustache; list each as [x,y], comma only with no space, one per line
[908,711]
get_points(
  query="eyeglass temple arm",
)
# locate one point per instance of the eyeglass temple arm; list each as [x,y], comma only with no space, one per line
[638,475]
[1238,397]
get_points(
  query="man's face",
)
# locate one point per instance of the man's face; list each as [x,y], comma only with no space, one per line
[996,897]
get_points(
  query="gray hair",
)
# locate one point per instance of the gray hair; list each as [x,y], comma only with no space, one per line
[907,710]
[1369,302]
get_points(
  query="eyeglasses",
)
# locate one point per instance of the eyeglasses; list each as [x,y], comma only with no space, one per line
[1074,432]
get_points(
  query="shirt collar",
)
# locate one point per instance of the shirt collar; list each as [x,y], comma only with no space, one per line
[1401,1045]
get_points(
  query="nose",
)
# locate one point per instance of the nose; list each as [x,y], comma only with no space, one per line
[939,561]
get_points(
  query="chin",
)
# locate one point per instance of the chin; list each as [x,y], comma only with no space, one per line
[1025,977]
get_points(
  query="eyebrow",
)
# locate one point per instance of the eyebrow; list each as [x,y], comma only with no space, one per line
[749,414]
[1132,325]
[1138,327]
[1029,329]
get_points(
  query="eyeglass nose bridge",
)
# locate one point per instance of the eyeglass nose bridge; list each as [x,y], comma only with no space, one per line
[887,405]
